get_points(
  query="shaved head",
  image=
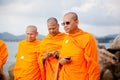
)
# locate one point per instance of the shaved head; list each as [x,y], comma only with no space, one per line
[31,33]
[32,27]
[74,15]
[53,26]
[52,20]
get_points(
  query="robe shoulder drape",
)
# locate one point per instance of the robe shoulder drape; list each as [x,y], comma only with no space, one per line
[49,44]
[81,46]
[26,67]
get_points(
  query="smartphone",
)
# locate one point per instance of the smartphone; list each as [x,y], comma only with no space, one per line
[68,58]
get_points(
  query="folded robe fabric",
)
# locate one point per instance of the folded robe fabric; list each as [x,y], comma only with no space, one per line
[49,44]
[81,46]
[3,53]
[26,67]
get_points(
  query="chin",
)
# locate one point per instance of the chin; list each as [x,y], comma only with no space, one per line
[66,31]
[30,40]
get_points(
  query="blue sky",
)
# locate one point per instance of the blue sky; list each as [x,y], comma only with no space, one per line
[99,17]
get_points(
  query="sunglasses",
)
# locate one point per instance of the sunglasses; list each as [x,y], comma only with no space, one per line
[65,23]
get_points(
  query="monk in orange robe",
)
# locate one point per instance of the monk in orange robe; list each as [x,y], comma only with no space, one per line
[3,58]
[79,55]
[50,47]
[26,67]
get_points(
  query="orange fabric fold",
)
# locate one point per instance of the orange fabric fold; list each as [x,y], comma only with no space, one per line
[81,46]
[49,44]
[26,67]
[3,53]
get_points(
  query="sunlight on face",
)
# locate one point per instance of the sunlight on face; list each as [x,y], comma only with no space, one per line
[53,29]
[71,27]
[31,34]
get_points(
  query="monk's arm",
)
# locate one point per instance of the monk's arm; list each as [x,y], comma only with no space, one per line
[91,56]
[3,54]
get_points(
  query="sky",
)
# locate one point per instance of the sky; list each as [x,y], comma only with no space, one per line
[98,17]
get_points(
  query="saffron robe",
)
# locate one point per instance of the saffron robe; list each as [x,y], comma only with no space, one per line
[3,53]
[26,67]
[81,47]
[49,44]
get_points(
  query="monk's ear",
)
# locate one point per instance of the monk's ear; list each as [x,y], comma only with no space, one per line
[58,25]
[77,21]
[37,33]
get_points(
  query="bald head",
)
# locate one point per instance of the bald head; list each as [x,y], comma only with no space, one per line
[31,33]
[32,27]
[70,22]
[73,15]
[53,26]
[52,20]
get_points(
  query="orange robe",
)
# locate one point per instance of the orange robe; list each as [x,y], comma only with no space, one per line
[49,44]
[81,46]
[26,67]
[3,53]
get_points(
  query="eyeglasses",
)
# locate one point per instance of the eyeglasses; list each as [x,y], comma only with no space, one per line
[63,24]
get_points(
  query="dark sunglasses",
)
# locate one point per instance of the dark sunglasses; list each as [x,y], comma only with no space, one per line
[63,24]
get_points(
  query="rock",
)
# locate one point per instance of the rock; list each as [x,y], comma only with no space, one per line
[107,75]
[10,71]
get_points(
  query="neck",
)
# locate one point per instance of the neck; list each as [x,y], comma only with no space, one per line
[75,31]
[55,34]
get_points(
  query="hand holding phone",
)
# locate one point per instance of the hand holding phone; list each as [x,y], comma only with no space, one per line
[65,60]
[68,58]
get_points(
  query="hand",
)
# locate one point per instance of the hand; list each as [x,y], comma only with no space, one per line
[47,55]
[65,60]
[56,54]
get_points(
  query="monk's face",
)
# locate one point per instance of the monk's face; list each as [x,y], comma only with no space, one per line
[53,28]
[31,34]
[69,23]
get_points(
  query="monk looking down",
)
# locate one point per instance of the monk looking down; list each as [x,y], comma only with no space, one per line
[50,47]
[79,47]
[26,67]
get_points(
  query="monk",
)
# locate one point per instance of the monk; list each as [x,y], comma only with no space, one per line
[3,58]
[50,47]
[78,55]
[26,67]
